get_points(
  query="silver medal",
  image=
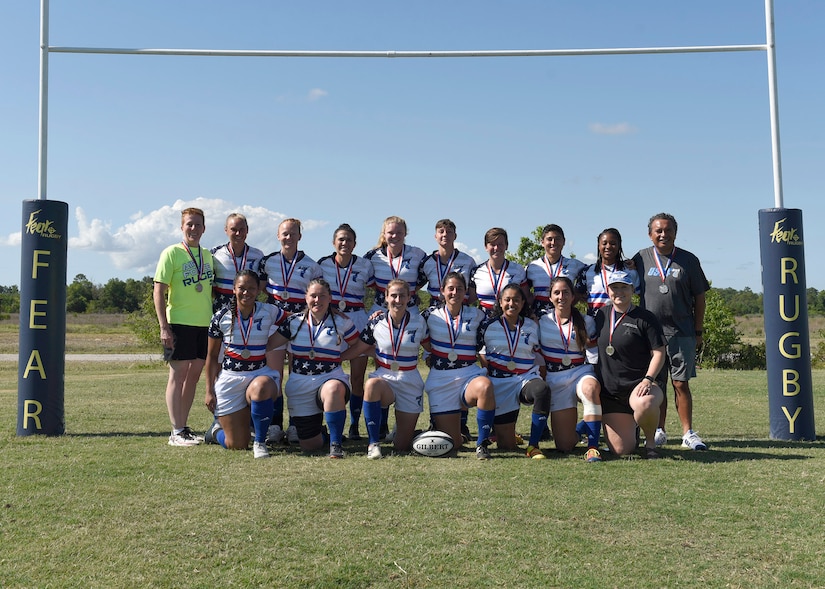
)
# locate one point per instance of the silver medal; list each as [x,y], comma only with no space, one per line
[342,305]
[566,361]
[452,356]
[199,287]
[281,294]
[609,350]
[394,367]
[245,354]
[663,288]
[312,354]
[511,366]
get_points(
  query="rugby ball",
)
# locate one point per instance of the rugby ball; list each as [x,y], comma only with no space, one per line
[433,443]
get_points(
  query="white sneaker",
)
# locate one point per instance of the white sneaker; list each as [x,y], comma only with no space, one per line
[292,435]
[374,451]
[259,450]
[692,440]
[190,435]
[660,438]
[180,440]
[274,434]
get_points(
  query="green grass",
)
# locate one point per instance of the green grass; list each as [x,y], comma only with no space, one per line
[111,505]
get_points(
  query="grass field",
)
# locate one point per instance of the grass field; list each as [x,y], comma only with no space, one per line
[109,504]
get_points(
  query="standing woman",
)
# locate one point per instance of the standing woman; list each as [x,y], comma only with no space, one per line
[551,265]
[610,259]
[287,274]
[349,276]
[455,381]
[565,335]
[243,388]
[317,388]
[631,355]
[489,278]
[392,258]
[394,337]
[511,343]
[183,303]
[230,258]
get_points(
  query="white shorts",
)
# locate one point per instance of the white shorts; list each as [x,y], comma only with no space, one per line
[302,389]
[445,388]
[507,390]
[407,387]
[230,388]
[563,386]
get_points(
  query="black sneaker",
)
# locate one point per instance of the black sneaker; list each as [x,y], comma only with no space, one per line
[209,436]
[187,434]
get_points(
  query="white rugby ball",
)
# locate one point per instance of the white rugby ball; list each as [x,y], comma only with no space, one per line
[433,443]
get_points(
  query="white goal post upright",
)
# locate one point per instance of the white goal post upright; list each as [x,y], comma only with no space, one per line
[29,280]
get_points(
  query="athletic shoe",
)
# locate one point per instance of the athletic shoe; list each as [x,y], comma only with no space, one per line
[354,434]
[693,441]
[187,433]
[535,453]
[336,451]
[592,455]
[292,435]
[259,450]
[374,451]
[465,434]
[390,437]
[482,453]
[274,435]
[519,440]
[651,454]
[180,440]
[661,437]
[209,436]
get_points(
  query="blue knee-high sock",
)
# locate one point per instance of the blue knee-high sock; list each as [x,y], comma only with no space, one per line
[278,412]
[594,429]
[220,437]
[484,418]
[372,415]
[261,417]
[537,425]
[335,423]
[355,404]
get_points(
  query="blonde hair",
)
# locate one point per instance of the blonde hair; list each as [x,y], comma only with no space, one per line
[237,216]
[389,220]
[293,221]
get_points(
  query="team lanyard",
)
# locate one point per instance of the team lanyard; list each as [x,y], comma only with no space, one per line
[342,285]
[447,268]
[395,342]
[512,340]
[198,264]
[287,274]
[566,341]
[496,280]
[234,260]
[550,272]
[245,331]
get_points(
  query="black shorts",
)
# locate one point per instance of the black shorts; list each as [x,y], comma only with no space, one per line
[614,403]
[190,343]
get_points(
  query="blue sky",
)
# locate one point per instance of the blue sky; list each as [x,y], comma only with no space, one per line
[585,142]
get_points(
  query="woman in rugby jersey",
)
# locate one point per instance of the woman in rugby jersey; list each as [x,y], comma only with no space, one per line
[552,264]
[394,337]
[286,274]
[565,335]
[230,258]
[511,343]
[349,275]
[318,388]
[610,259]
[392,258]
[493,275]
[243,386]
[456,381]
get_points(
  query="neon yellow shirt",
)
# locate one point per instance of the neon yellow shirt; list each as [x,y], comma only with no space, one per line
[185,305]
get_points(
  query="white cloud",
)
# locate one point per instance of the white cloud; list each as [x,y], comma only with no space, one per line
[13,239]
[614,129]
[316,94]
[478,255]
[136,245]
[589,258]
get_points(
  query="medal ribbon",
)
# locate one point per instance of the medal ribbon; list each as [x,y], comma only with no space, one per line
[248,329]
[663,273]
[453,329]
[512,340]
[314,333]
[395,272]
[342,286]
[447,268]
[604,276]
[614,323]
[395,343]
[287,274]
[549,266]
[496,280]
[566,341]
[234,259]
[198,264]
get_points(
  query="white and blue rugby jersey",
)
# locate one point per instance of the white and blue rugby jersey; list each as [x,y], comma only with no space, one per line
[596,289]
[232,330]
[541,272]
[454,342]
[227,266]
[509,351]
[316,349]
[407,266]
[555,339]
[382,335]
[435,271]
[488,283]
[287,282]
[351,281]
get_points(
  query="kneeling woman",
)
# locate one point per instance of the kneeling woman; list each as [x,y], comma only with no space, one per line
[317,388]
[246,386]
[565,335]
[455,381]
[394,337]
[511,343]
[631,354]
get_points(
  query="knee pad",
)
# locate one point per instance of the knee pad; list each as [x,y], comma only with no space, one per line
[536,393]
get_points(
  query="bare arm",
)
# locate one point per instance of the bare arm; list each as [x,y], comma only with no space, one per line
[167,338]
[356,349]
[699,317]
[212,369]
